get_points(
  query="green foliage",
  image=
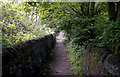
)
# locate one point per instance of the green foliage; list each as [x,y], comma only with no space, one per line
[109,37]
[83,23]
[21,22]
[75,57]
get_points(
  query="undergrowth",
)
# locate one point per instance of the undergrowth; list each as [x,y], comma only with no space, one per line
[75,57]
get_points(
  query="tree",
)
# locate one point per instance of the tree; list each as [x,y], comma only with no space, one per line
[113,10]
[118,15]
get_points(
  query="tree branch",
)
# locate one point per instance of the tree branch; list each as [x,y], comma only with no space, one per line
[75,10]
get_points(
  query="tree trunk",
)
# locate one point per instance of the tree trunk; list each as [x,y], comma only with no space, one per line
[118,15]
[111,11]
[92,8]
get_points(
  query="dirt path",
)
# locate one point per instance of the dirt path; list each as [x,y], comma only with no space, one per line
[60,65]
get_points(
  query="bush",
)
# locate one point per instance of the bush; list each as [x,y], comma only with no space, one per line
[110,37]
[19,23]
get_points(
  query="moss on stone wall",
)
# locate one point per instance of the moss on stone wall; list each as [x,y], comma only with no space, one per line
[26,58]
[97,61]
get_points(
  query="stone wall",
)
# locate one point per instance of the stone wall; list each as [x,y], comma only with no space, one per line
[26,58]
[97,61]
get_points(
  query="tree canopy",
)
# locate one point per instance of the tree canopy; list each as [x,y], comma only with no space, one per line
[83,22]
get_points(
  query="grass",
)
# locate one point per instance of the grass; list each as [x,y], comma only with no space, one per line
[75,61]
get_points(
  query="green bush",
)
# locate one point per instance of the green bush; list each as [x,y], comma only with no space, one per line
[20,23]
[109,37]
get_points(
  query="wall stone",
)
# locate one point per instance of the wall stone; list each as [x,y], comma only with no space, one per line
[26,58]
[97,61]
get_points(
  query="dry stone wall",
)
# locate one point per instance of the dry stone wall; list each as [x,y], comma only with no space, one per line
[97,61]
[26,58]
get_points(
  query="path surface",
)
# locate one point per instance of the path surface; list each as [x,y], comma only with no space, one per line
[60,65]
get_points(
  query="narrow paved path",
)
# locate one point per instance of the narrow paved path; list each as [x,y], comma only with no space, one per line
[60,65]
